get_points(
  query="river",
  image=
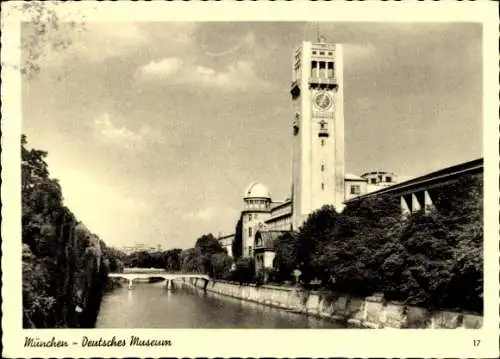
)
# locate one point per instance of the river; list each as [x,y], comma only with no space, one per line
[150,305]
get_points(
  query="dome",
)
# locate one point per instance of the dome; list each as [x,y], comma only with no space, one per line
[257,190]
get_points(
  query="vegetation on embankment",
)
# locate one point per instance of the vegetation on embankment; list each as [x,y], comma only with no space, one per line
[430,259]
[64,265]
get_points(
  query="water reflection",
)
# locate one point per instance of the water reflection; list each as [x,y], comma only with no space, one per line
[152,305]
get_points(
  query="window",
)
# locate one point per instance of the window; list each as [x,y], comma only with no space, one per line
[250,232]
[388,179]
[330,70]
[373,180]
[314,52]
[322,69]
[314,66]
[322,186]
[322,168]
[250,251]
[249,217]
[322,53]
[322,142]
[355,189]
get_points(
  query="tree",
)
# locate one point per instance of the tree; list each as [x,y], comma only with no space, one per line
[366,226]
[220,264]
[173,260]
[315,233]
[244,271]
[237,245]
[286,258]
[206,246]
[62,259]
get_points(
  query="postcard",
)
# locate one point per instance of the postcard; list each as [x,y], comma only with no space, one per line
[250,179]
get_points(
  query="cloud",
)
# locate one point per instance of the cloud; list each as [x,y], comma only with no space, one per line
[162,68]
[237,76]
[122,135]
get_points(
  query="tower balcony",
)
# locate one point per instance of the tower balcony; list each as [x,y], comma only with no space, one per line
[323,82]
[323,132]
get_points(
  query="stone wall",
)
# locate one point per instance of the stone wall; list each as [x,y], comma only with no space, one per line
[370,312]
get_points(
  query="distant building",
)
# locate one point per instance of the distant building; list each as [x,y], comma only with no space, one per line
[140,247]
[227,243]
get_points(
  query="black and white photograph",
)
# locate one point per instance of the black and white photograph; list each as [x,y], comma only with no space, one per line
[264,174]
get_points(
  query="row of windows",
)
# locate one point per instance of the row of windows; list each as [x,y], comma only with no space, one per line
[322,53]
[322,69]
[258,206]
[255,216]
[380,179]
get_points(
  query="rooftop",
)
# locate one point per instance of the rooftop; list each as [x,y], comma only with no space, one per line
[257,190]
[433,179]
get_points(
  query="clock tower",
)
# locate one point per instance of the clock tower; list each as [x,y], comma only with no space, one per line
[318,129]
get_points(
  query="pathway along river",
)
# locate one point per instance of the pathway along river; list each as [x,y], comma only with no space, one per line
[151,305]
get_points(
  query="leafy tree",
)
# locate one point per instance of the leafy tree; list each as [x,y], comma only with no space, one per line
[316,232]
[62,260]
[237,245]
[188,259]
[286,250]
[244,271]
[220,264]
[173,260]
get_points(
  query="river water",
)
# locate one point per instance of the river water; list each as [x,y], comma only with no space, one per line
[151,305]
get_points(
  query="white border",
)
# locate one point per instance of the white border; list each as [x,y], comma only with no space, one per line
[278,343]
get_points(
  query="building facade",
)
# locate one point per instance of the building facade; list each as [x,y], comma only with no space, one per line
[227,243]
[317,96]
[318,128]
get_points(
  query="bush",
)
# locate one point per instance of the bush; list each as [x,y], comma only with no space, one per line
[431,259]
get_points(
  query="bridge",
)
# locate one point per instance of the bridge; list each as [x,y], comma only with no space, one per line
[130,276]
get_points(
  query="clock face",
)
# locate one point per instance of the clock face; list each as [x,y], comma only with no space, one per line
[323,100]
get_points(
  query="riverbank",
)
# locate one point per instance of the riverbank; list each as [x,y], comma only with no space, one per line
[369,312]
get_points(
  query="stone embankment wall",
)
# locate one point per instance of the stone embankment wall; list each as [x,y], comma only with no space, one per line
[370,312]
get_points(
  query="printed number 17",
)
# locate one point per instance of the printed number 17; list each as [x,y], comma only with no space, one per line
[476,342]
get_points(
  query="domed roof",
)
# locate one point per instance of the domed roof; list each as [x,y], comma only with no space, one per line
[257,190]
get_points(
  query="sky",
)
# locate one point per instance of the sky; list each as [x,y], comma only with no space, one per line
[155,129]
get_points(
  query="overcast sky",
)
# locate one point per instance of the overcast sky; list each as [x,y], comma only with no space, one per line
[155,129]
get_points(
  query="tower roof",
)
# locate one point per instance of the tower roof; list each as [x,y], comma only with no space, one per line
[256,190]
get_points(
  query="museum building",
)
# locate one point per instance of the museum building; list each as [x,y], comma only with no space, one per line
[318,161]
